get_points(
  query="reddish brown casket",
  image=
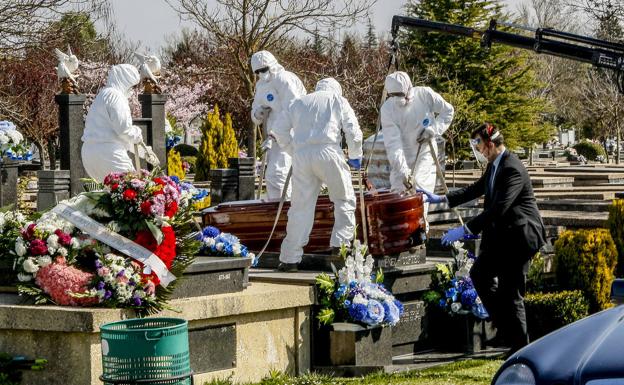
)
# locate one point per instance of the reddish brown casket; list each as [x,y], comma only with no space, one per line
[395,222]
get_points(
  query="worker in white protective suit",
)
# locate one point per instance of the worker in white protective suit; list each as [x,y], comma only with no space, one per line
[410,118]
[317,120]
[109,133]
[275,89]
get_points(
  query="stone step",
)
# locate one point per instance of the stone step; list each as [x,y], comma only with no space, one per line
[574,219]
[573,205]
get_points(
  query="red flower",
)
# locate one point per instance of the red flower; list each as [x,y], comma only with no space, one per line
[29,232]
[166,251]
[64,238]
[171,209]
[38,247]
[129,194]
[115,186]
[160,181]
[146,208]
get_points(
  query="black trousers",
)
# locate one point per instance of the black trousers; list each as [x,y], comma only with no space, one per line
[500,281]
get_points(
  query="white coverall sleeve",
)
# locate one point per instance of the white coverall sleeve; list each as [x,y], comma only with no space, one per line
[351,129]
[282,128]
[121,120]
[255,106]
[441,107]
[393,141]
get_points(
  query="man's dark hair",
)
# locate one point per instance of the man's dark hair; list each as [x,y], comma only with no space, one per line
[489,133]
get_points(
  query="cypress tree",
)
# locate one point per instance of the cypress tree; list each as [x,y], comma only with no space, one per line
[495,84]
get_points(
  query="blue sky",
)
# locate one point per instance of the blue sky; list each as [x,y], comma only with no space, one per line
[150,21]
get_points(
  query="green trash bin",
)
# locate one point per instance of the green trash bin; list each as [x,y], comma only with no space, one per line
[151,351]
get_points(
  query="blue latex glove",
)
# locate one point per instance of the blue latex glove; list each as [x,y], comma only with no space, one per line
[453,235]
[355,163]
[431,197]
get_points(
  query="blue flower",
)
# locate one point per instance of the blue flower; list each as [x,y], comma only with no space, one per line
[375,313]
[471,255]
[244,251]
[228,238]
[391,313]
[442,303]
[451,293]
[479,310]
[358,312]
[227,248]
[342,289]
[175,179]
[210,231]
[347,303]
[468,297]
[100,285]
[399,306]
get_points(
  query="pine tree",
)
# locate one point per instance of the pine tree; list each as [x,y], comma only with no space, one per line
[202,162]
[495,82]
[317,43]
[230,144]
[371,35]
[174,165]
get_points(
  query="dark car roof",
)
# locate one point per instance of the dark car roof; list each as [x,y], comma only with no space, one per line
[587,349]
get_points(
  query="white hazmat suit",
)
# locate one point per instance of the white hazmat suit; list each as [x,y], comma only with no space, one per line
[109,133]
[275,89]
[317,120]
[409,122]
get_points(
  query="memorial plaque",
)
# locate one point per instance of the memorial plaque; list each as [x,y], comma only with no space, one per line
[212,348]
[409,329]
[213,275]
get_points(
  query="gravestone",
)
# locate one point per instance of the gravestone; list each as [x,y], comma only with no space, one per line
[8,182]
[153,107]
[54,186]
[223,185]
[71,125]
[246,177]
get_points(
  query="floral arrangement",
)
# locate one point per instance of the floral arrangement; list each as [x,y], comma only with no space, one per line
[453,290]
[198,198]
[355,294]
[57,263]
[12,142]
[214,242]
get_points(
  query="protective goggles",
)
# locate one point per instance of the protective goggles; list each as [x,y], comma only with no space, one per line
[261,70]
[398,94]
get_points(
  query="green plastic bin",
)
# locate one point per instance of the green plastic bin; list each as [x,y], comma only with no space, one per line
[146,351]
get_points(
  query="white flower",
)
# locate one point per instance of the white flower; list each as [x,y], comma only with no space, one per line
[219,246]
[236,249]
[209,242]
[75,243]
[359,298]
[455,307]
[62,251]
[20,248]
[44,260]
[30,266]
[24,277]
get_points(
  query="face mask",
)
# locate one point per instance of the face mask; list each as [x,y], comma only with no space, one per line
[478,155]
[264,76]
[400,101]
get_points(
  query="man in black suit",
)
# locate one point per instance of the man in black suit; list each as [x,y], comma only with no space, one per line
[512,232]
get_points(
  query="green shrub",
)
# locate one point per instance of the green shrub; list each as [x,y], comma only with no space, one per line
[616,228]
[547,312]
[186,150]
[585,260]
[589,149]
[535,277]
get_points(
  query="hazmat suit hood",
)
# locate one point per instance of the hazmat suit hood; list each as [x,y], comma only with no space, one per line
[123,77]
[330,85]
[263,59]
[399,82]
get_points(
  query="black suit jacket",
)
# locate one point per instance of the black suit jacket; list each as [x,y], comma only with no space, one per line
[510,222]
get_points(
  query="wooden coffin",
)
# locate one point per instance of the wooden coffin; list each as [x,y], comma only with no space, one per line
[394,222]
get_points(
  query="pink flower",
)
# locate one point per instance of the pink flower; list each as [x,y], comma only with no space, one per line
[150,287]
[103,271]
[59,281]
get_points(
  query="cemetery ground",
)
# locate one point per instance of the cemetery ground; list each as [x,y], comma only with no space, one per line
[466,372]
